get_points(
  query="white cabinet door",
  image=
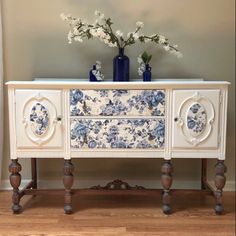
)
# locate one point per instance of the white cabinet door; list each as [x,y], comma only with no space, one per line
[195,119]
[38,118]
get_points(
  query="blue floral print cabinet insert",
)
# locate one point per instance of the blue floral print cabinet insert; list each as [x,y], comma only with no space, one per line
[121,118]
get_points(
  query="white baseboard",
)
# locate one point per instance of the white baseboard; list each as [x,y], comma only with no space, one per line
[152,184]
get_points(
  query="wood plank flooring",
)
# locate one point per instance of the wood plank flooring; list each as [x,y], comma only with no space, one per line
[138,215]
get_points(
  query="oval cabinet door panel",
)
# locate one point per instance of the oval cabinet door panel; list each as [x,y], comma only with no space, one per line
[195,121]
[37,118]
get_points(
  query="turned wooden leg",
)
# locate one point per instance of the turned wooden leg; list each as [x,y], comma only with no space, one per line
[220,179]
[15,180]
[166,180]
[68,182]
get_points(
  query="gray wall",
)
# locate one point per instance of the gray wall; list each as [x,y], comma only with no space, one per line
[35,45]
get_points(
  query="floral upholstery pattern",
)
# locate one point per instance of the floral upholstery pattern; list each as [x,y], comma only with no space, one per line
[39,119]
[196,119]
[117,133]
[117,102]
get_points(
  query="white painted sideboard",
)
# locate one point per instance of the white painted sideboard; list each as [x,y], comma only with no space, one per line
[77,119]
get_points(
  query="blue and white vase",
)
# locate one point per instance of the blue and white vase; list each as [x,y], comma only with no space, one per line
[92,77]
[121,67]
[147,74]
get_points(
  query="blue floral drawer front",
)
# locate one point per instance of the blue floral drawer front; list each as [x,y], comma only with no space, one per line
[117,102]
[117,133]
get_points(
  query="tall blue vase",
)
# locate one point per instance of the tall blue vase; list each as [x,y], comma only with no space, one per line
[121,67]
[147,74]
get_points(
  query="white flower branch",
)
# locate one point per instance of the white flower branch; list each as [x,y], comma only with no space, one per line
[102,29]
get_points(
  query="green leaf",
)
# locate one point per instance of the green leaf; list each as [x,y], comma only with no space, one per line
[146,58]
[149,58]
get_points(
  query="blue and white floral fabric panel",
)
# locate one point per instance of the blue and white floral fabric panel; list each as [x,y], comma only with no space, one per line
[196,119]
[39,119]
[117,133]
[117,102]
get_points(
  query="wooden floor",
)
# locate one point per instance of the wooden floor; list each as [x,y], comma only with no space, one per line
[105,214]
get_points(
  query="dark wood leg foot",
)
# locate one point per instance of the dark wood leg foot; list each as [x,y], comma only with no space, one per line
[220,179]
[15,180]
[166,180]
[68,182]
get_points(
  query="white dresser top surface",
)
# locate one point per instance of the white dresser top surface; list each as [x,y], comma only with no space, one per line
[106,84]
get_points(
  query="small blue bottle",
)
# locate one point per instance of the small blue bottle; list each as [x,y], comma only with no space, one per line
[147,74]
[92,77]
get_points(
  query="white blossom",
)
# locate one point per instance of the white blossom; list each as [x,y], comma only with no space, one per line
[140,71]
[78,39]
[108,37]
[93,32]
[106,41]
[75,31]
[166,47]
[139,24]
[162,39]
[64,16]
[142,65]
[119,33]
[135,36]
[96,22]
[139,59]
[70,34]
[97,13]
[70,37]
[75,22]
[102,33]
[128,35]
[112,45]
[179,54]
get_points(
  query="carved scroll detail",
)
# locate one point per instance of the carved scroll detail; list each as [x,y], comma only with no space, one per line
[117,185]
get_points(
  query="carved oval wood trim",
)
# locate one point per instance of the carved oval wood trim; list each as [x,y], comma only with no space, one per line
[37,139]
[192,139]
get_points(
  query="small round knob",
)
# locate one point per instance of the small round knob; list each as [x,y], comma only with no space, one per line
[176,119]
[59,118]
